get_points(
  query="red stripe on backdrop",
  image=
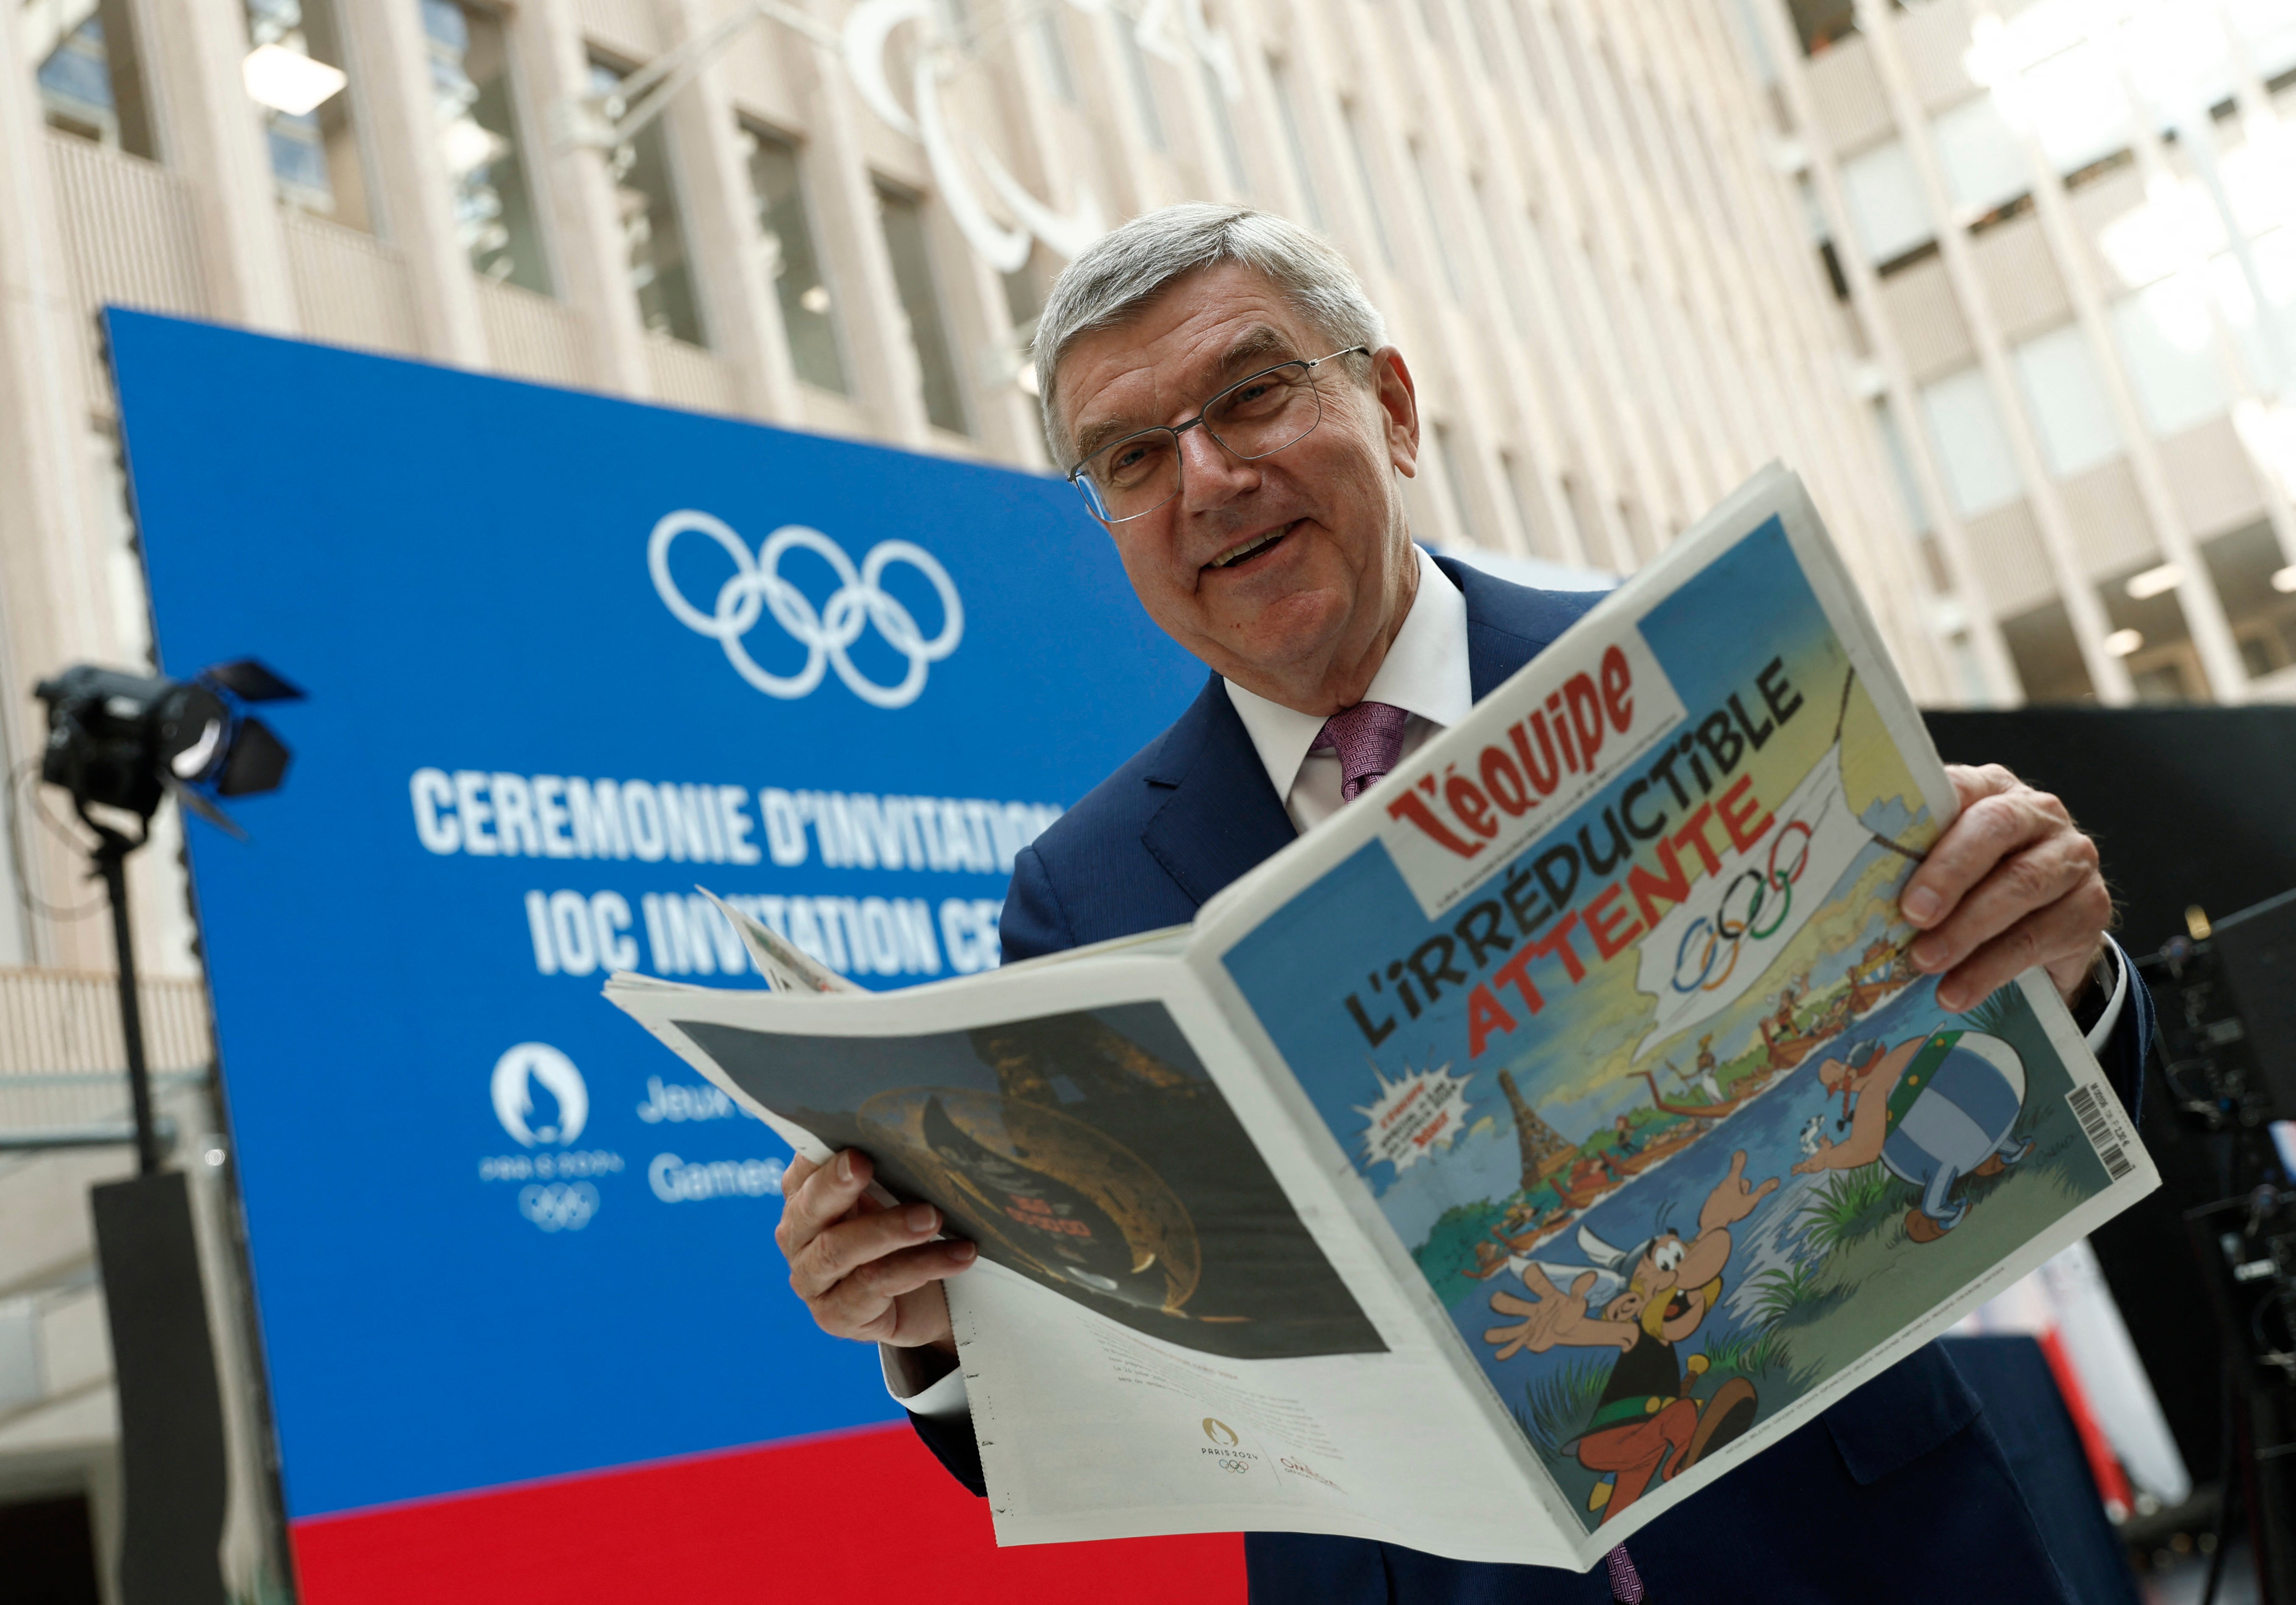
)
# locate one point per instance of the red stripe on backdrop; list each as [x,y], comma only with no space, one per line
[860,1509]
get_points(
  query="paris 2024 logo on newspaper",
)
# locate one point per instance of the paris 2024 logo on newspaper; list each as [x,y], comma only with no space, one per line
[1699,984]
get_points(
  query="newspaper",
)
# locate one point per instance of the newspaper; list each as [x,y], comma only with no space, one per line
[1521,1150]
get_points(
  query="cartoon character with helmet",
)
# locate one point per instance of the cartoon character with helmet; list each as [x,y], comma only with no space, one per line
[1646,1425]
[1933,1109]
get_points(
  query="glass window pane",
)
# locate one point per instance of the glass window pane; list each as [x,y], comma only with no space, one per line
[1295,142]
[2066,393]
[1433,213]
[478,135]
[314,149]
[1135,69]
[793,261]
[2168,342]
[86,63]
[1223,125]
[1901,464]
[1455,481]
[1370,188]
[1886,208]
[1059,72]
[1979,473]
[903,219]
[2078,106]
[1984,160]
[661,275]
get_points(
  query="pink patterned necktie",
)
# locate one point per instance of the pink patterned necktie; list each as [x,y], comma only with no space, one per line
[1626,1581]
[1369,740]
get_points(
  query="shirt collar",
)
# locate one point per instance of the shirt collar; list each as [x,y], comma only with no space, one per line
[1425,673]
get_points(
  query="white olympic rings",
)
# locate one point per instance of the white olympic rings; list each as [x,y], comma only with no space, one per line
[756,587]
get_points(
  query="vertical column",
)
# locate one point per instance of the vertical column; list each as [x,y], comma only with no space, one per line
[2106,673]
[591,257]
[52,588]
[1993,657]
[213,134]
[393,66]
[721,216]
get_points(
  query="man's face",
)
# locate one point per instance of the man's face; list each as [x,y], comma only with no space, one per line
[1328,572]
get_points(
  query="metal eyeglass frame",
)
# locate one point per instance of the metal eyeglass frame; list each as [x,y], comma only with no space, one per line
[1076,475]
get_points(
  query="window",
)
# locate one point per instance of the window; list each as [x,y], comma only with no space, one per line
[2166,338]
[2066,392]
[1487,221]
[2078,106]
[792,259]
[1979,473]
[478,134]
[1223,125]
[902,216]
[1136,70]
[1455,481]
[1370,189]
[1901,464]
[1983,157]
[1887,212]
[1295,142]
[1525,496]
[1434,218]
[653,237]
[313,148]
[1059,71]
[91,83]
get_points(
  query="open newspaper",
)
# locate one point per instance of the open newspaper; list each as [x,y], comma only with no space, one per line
[1524,1148]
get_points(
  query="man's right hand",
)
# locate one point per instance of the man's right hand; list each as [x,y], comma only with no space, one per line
[865,1272]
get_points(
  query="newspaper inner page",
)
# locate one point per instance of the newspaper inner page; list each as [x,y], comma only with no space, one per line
[1605,1004]
[1176,1325]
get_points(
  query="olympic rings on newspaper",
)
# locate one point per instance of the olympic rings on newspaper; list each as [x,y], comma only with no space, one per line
[758,588]
[1726,929]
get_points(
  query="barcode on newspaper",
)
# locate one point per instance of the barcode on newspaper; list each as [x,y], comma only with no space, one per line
[2088,1110]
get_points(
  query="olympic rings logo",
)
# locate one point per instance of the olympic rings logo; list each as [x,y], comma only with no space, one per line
[559,1206]
[758,588]
[1772,883]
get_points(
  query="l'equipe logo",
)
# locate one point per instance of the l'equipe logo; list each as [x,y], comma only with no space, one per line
[757,588]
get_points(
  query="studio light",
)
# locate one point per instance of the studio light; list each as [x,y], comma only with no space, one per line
[128,742]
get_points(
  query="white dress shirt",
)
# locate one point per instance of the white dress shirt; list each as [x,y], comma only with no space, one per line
[1426,675]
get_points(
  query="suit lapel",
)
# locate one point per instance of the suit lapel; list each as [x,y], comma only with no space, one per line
[1223,816]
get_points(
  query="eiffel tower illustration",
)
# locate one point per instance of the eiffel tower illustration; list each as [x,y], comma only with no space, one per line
[1541,1143]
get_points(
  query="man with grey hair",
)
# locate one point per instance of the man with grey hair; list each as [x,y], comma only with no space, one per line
[1230,410]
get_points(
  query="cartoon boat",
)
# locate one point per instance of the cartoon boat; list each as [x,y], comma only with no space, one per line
[1696,1111]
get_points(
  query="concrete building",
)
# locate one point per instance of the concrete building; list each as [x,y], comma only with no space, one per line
[2058,233]
[842,216]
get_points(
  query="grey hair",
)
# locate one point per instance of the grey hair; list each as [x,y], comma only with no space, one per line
[1124,270]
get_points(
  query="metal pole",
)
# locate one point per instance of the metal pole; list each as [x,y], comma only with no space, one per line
[112,863]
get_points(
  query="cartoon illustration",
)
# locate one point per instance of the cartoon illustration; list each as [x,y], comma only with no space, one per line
[1646,1426]
[1813,1133]
[1933,1109]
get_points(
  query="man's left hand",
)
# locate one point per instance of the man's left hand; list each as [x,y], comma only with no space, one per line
[2012,883]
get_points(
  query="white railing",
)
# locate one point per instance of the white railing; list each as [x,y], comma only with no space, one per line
[132,236]
[351,288]
[63,1063]
[688,376]
[531,336]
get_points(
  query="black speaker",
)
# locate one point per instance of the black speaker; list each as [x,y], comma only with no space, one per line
[171,1444]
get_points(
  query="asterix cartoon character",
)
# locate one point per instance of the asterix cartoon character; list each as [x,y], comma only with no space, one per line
[1645,1425]
[1933,1109]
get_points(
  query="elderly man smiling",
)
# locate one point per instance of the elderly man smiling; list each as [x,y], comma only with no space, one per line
[1235,416]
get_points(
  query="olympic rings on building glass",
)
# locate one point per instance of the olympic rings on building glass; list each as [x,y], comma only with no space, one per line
[757,588]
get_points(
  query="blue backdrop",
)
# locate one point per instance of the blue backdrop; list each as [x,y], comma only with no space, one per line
[489,1241]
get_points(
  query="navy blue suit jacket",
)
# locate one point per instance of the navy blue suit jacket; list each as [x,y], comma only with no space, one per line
[1900,1492]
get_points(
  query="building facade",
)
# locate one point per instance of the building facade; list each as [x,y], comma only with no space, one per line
[2059,235]
[842,216]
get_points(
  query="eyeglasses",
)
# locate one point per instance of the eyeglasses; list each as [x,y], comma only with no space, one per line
[1252,418]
